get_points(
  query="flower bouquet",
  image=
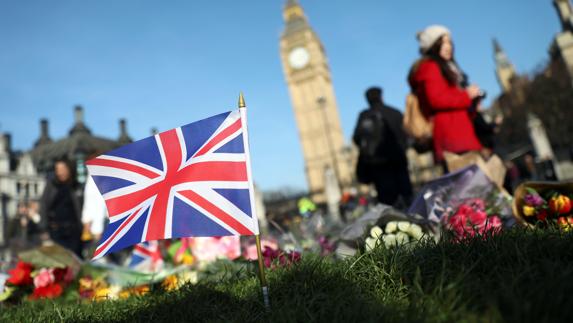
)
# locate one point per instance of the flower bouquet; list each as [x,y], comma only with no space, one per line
[382,224]
[34,282]
[466,202]
[471,217]
[544,204]
[394,233]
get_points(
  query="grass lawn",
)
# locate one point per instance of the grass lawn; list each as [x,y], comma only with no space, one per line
[518,276]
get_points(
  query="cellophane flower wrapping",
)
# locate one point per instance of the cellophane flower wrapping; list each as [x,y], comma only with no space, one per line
[465,202]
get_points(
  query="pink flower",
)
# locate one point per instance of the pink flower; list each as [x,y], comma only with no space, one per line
[250,252]
[211,248]
[478,218]
[284,259]
[493,223]
[44,278]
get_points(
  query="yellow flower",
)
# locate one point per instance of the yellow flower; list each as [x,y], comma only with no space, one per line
[528,210]
[187,259]
[140,290]
[102,294]
[170,283]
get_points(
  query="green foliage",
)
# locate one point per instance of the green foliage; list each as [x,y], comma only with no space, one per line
[518,276]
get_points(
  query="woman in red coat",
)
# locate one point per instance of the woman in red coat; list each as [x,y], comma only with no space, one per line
[437,81]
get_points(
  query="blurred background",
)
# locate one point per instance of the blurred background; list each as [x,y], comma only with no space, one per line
[80,78]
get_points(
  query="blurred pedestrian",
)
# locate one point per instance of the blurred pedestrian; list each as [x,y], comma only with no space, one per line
[437,81]
[24,229]
[382,144]
[61,206]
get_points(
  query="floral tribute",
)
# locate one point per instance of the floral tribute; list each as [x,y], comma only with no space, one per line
[394,233]
[274,258]
[549,208]
[41,282]
[470,218]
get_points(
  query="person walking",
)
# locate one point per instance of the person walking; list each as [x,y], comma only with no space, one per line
[382,144]
[60,208]
[438,82]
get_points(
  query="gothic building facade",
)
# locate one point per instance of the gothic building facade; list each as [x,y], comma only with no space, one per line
[23,174]
[536,107]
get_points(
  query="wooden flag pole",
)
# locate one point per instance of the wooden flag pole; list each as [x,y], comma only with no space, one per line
[264,286]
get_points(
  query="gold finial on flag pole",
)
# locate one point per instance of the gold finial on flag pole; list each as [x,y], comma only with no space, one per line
[264,286]
[242,101]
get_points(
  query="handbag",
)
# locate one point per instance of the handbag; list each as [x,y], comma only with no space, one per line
[416,125]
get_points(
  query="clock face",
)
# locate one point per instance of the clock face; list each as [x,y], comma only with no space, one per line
[298,58]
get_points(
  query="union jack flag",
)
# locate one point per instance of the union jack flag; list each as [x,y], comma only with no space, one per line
[146,256]
[194,180]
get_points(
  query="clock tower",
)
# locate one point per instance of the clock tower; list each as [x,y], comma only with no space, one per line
[310,87]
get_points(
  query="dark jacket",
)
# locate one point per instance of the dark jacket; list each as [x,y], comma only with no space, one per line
[60,209]
[390,153]
[393,145]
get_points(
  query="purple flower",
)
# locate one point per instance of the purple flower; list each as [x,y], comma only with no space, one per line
[533,200]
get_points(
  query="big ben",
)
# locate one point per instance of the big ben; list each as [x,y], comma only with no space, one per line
[314,104]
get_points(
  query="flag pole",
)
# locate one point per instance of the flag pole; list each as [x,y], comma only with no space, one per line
[264,286]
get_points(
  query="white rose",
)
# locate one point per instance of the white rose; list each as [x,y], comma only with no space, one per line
[404,226]
[402,238]
[370,243]
[376,232]
[391,227]
[389,240]
[416,231]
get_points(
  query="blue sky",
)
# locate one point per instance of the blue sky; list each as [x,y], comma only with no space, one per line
[164,64]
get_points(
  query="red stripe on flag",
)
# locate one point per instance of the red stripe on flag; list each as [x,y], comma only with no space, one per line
[212,171]
[120,204]
[220,137]
[110,239]
[157,215]
[172,150]
[124,166]
[217,212]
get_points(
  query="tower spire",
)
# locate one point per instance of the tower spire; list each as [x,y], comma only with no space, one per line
[504,70]
[565,12]
[496,46]
[294,17]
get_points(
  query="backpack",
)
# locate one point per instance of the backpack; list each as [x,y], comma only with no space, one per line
[416,125]
[369,136]
[370,133]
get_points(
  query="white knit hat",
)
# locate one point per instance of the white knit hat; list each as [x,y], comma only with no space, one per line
[428,37]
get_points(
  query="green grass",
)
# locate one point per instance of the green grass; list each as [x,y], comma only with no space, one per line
[518,276]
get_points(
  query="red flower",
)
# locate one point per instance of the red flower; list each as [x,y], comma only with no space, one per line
[59,274]
[542,215]
[21,274]
[478,218]
[50,291]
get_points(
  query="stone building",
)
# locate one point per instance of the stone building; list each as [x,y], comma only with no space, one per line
[23,174]
[536,107]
